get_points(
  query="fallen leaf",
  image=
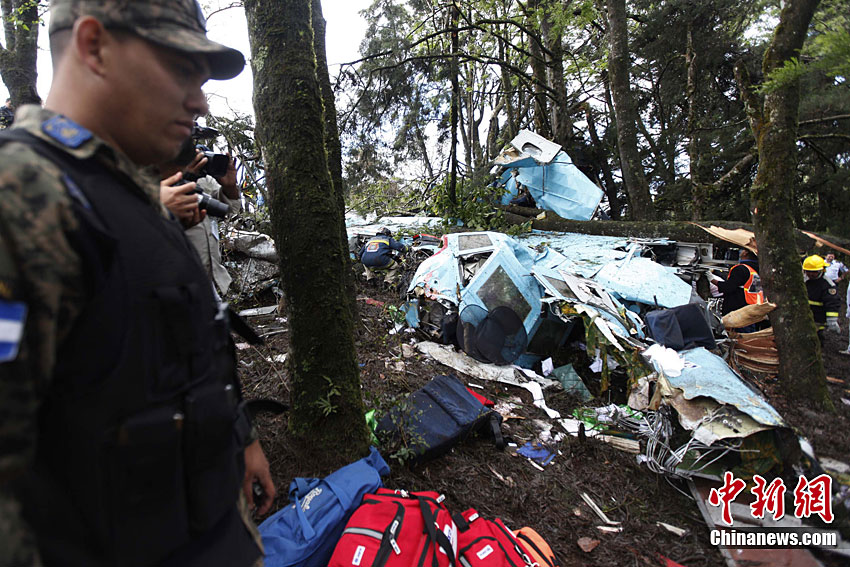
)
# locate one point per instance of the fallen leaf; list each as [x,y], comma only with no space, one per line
[586,544]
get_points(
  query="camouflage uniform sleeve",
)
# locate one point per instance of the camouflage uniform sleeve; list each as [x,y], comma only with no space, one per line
[40,275]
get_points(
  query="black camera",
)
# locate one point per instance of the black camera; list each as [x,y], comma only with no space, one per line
[206,202]
[217,164]
[213,207]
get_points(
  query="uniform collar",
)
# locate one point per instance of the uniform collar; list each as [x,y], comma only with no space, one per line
[71,138]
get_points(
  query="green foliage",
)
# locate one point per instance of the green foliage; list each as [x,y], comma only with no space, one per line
[407,444]
[325,404]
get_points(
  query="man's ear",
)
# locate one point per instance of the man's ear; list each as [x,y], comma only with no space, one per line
[89,39]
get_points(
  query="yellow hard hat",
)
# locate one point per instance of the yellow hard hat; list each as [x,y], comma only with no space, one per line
[814,263]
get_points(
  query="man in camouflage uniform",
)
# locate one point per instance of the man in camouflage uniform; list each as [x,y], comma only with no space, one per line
[123,440]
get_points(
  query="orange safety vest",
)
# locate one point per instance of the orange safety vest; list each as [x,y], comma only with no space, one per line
[753,294]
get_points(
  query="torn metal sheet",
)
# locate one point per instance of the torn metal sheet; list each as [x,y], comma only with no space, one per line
[706,374]
[253,244]
[739,236]
[553,180]
[644,281]
[824,242]
[534,145]
[258,311]
[709,420]
[584,254]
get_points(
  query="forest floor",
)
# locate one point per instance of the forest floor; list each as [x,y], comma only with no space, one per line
[502,484]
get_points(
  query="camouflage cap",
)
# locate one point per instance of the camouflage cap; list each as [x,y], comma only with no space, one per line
[177,24]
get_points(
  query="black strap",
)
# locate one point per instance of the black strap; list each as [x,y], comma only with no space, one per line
[264,405]
[551,561]
[241,327]
[496,429]
[434,535]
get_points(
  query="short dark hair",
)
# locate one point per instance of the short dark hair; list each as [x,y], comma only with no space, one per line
[60,39]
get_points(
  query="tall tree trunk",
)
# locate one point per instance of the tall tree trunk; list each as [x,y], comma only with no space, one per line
[18,56]
[562,126]
[511,114]
[326,407]
[640,200]
[774,125]
[455,106]
[599,150]
[699,190]
[332,143]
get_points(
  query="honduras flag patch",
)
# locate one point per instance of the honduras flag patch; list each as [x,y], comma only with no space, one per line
[12,316]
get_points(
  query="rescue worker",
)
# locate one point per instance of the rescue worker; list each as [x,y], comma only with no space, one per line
[124,441]
[742,286]
[382,255]
[823,296]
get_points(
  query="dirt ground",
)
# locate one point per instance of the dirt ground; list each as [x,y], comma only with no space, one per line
[501,484]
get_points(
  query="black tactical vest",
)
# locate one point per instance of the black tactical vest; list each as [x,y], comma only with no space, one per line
[139,458]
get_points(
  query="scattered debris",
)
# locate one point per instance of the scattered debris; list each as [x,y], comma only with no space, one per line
[587,544]
[536,453]
[370,301]
[256,311]
[672,529]
[598,511]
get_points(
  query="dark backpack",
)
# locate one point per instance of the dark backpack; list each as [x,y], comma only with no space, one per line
[438,417]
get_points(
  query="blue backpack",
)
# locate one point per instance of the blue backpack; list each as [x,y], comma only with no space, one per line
[306,531]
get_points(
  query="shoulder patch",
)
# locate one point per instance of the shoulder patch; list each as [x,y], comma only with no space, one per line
[832,291]
[12,316]
[66,131]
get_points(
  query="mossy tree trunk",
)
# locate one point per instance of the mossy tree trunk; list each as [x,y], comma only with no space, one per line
[326,405]
[774,124]
[18,56]
[332,143]
[625,112]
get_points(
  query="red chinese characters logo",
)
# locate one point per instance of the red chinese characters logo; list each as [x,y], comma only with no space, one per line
[811,497]
[814,497]
[726,494]
[769,498]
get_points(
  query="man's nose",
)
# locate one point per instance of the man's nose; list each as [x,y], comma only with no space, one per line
[197,103]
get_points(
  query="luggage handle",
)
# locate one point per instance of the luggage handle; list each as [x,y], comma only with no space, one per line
[435,535]
[306,527]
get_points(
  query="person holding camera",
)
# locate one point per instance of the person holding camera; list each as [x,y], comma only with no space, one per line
[223,199]
[124,438]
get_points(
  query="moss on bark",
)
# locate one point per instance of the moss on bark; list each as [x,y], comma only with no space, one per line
[326,404]
[775,127]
